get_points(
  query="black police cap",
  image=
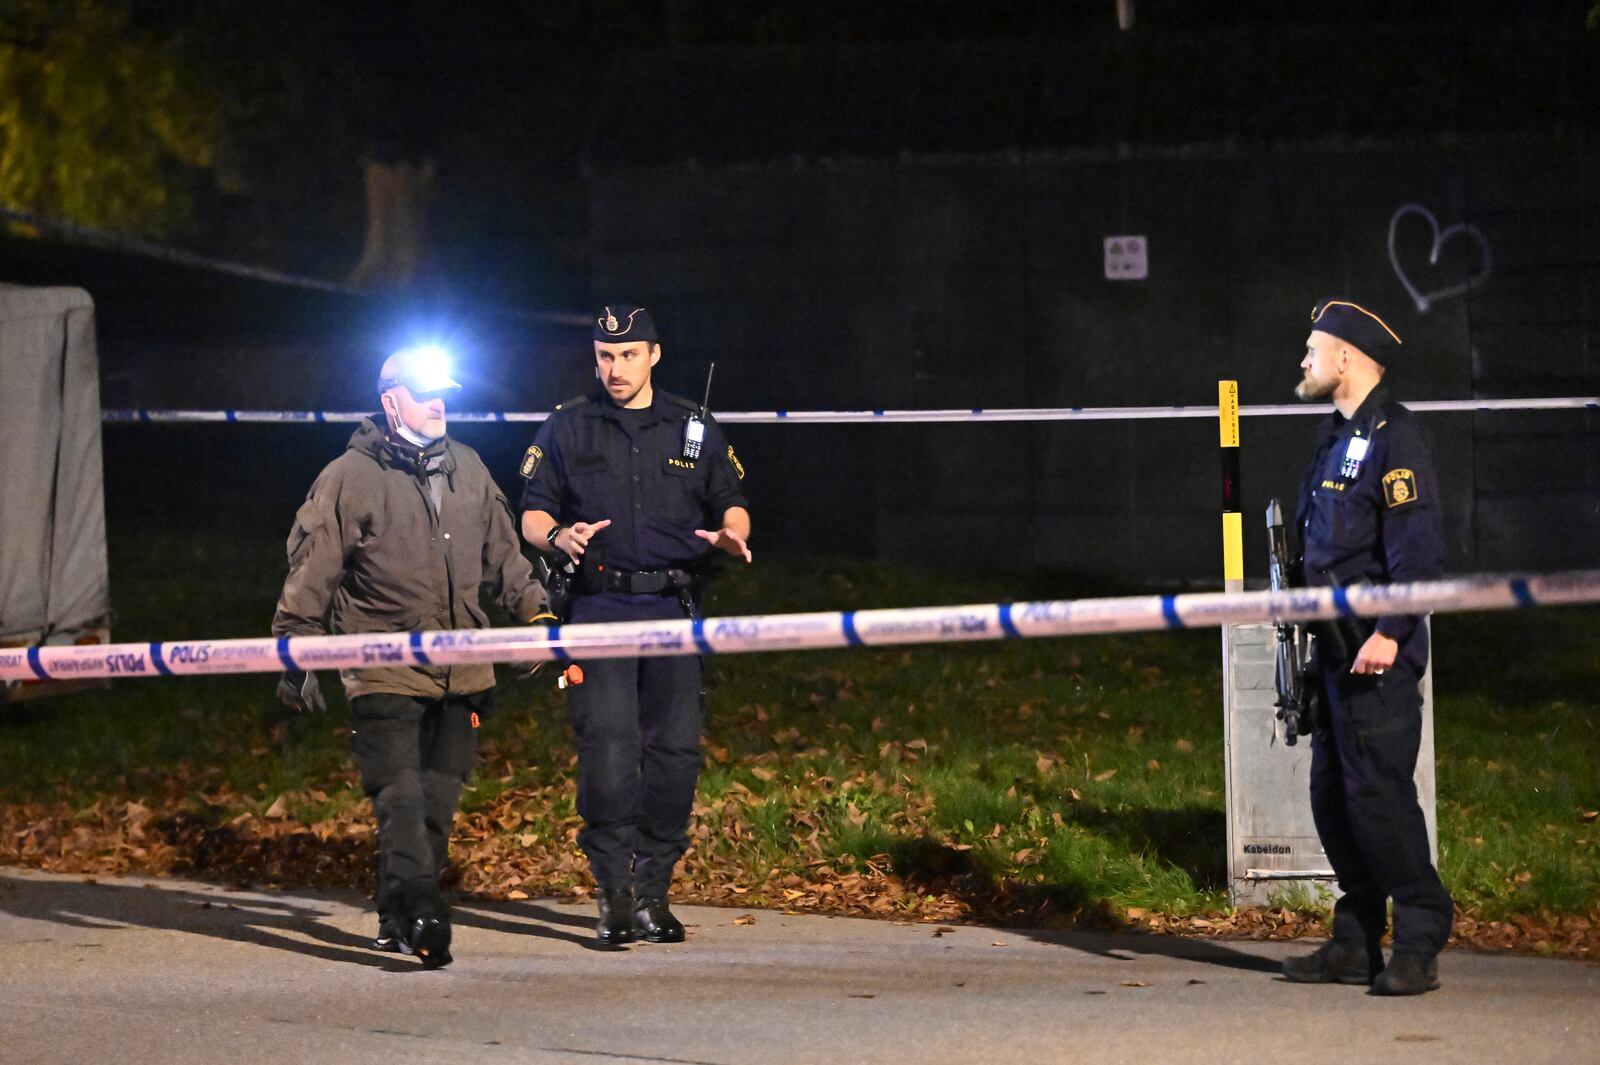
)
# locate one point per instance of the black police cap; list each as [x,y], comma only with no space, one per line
[1358,326]
[619,323]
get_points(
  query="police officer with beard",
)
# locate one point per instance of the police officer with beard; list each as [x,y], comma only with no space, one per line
[637,487]
[398,534]
[1369,514]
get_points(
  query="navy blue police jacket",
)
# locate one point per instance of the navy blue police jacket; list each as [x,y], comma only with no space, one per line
[1369,512]
[592,460]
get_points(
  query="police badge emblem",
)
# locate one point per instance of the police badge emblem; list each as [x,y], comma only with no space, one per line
[1399,487]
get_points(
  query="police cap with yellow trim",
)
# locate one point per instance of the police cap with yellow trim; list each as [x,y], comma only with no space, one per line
[619,323]
[1355,325]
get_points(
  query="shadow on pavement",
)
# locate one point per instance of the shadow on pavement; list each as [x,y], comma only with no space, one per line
[525,919]
[263,922]
[1128,946]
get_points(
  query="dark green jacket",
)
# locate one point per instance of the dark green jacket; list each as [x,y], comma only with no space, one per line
[369,553]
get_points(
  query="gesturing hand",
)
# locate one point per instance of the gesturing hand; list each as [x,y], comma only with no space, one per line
[726,540]
[574,539]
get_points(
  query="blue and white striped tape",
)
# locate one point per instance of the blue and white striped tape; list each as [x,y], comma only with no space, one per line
[791,632]
[841,417]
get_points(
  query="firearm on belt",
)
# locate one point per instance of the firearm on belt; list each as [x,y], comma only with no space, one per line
[1294,698]
[557,581]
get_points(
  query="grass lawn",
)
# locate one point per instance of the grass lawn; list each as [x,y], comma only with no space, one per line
[1048,780]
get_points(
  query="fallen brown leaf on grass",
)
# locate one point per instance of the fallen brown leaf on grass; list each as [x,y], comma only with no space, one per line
[1105,774]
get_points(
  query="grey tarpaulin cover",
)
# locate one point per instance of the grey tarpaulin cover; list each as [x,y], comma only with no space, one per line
[54,585]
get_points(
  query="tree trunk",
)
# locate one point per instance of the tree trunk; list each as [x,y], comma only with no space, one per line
[396,253]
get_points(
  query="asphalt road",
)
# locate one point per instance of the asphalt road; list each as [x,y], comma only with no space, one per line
[137,971]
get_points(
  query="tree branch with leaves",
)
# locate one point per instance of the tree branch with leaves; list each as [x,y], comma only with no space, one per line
[100,123]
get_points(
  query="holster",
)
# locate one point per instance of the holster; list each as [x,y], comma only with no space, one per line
[1316,692]
[557,579]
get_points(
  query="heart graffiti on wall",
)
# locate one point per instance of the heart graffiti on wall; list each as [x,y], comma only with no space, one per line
[1461,231]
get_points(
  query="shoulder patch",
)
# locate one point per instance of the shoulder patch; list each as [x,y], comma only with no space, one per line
[568,404]
[738,467]
[1399,487]
[531,460]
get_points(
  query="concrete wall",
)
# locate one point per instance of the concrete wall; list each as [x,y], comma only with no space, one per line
[978,282]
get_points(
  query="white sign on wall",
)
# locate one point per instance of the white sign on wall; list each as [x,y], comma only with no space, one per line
[1127,258]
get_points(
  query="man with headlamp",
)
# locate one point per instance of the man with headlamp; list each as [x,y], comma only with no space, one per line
[398,534]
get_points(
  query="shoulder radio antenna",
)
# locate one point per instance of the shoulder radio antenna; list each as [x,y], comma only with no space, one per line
[705,401]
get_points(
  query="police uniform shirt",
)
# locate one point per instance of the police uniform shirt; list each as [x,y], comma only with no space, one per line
[1369,510]
[593,460]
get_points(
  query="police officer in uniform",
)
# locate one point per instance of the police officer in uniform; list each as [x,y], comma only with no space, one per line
[1369,514]
[636,487]
[397,534]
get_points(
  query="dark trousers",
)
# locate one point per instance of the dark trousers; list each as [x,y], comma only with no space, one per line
[1364,801]
[414,756]
[637,723]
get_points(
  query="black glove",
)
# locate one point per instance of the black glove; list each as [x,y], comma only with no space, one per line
[529,670]
[300,692]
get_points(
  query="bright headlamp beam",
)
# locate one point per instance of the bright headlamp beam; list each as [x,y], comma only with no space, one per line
[423,368]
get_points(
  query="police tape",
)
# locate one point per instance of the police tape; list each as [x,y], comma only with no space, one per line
[793,632]
[847,417]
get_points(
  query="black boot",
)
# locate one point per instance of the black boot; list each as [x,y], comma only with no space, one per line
[429,939]
[616,918]
[388,937]
[654,921]
[1408,974]
[1338,961]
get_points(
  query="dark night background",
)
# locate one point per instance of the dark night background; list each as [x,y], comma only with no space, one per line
[845,205]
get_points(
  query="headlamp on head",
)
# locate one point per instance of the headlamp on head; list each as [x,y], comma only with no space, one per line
[423,368]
